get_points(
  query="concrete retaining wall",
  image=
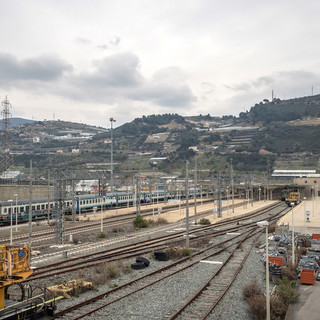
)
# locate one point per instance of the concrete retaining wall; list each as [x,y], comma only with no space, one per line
[7,192]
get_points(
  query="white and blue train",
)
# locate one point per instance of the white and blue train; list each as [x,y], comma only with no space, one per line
[41,207]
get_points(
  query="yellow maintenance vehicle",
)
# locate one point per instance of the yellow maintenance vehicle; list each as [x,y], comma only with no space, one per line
[294,198]
[14,267]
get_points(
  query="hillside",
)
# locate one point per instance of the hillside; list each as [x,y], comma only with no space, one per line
[271,135]
[283,110]
[14,122]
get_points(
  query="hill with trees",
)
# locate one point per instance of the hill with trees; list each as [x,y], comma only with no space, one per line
[270,132]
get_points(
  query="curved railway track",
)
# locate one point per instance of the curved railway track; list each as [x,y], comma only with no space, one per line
[143,247]
[234,243]
[116,220]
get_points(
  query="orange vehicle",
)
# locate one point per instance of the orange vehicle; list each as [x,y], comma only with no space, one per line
[294,198]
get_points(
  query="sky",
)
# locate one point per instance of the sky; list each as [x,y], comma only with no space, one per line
[91,60]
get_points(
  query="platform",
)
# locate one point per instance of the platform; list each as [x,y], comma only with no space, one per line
[299,217]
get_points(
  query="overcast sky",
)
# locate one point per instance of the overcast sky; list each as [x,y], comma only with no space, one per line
[89,60]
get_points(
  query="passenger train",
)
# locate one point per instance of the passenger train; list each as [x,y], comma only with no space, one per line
[20,209]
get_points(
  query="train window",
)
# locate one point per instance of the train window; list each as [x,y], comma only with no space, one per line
[9,210]
[21,209]
[51,205]
[33,207]
[4,210]
[42,207]
[38,207]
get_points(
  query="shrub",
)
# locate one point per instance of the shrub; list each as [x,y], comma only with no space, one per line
[257,306]
[278,309]
[139,222]
[288,273]
[186,252]
[204,221]
[117,230]
[287,291]
[177,253]
[308,243]
[251,289]
[112,270]
[75,239]
[162,221]
[272,227]
[101,235]
[200,242]
[152,222]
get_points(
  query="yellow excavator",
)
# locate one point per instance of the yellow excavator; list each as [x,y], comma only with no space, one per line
[14,267]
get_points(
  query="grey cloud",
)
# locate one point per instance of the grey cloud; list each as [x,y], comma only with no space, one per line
[83,41]
[166,95]
[42,68]
[118,77]
[291,81]
[112,42]
[239,87]
[119,70]
[207,88]
[103,47]
[112,79]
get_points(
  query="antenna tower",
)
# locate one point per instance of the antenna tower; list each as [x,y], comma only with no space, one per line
[5,157]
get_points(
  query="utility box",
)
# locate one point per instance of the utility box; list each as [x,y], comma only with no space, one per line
[278,261]
[307,276]
[316,236]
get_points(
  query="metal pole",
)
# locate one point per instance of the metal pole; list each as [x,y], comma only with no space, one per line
[232,185]
[187,205]
[227,200]
[195,192]
[48,196]
[112,120]
[16,195]
[313,201]
[73,200]
[267,275]
[304,215]
[219,197]
[30,206]
[11,221]
[293,257]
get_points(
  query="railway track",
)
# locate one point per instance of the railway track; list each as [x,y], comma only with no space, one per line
[142,247]
[204,301]
[118,220]
[235,244]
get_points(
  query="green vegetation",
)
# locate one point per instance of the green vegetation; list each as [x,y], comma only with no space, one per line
[101,235]
[285,137]
[286,293]
[139,222]
[283,110]
[204,221]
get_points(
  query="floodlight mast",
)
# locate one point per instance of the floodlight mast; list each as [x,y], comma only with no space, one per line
[111,182]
